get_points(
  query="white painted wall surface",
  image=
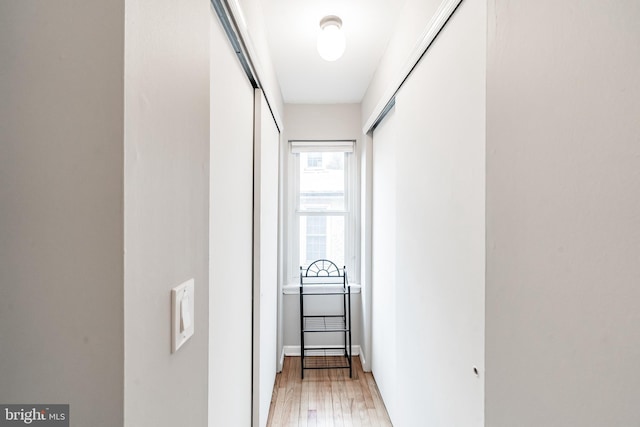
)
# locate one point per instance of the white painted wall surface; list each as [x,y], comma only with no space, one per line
[563,217]
[384,348]
[166,208]
[328,122]
[319,305]
[408,28]
[253,28]
[265,287]
[61,202]
[230,234]
[439,208]
[323,121]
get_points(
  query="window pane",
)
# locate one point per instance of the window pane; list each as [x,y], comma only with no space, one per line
[314,160]
[322,181]
[322,237]
[316,237]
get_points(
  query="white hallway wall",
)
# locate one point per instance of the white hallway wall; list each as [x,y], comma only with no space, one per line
[563,213]
[252,23]
[429,245]
[321,122]
[166,208]
[411,22]
[61,203]
[562,229]
[79,308]
[64,223]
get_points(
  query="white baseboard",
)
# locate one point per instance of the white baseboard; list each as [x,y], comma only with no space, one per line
[363,362]
[294,350]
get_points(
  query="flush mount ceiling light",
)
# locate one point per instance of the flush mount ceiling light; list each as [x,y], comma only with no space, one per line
[331,41]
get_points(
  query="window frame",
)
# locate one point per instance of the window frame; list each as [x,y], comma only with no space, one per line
[350,211]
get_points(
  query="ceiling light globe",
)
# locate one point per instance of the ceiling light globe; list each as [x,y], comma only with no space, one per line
[331,40]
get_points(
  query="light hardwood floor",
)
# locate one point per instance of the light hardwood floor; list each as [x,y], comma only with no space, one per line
[326,398]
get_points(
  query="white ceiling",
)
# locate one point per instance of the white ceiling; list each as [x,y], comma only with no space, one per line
[292,27]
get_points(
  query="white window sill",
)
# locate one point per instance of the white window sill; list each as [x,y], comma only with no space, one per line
[295,289]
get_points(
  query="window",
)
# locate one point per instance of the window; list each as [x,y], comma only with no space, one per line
[316,236]
[322,204]
[314,160]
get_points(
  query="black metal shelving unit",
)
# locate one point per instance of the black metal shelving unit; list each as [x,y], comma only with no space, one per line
[323,278]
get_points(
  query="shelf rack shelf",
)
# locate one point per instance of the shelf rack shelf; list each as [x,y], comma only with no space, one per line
[323,278]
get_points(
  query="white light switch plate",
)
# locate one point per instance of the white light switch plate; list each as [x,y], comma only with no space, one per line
[182,315]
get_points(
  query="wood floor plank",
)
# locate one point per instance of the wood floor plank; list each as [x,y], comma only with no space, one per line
[359,412]
[303,415]
[326,398]
[325,388]
[314,403]
[344,399]
[336,405]
[364,387]
[292,395]
[312,418]
[377,399]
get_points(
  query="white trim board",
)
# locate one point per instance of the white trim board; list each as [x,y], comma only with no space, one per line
[435,25]
[294,350]
[281,360]
[363,361]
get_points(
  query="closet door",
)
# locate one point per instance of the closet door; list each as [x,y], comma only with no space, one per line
[230,235]
[440,234]
[429,233]
[383,274]
[265,273]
